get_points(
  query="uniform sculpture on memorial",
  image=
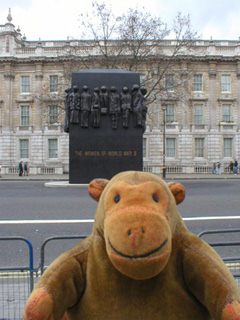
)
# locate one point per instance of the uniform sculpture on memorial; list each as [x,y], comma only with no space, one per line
[95,108]
[114,106]
[86,101]
[144,108]
[137,104]
[102,102]
[126,100]
[75,100]
[67,109]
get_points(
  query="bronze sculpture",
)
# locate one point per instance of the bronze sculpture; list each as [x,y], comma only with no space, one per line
[137,104]
[144,108]
[114,106]
[74,105]
[101,102]
[125,106]
[67,109]
[104,100]
[86,101]
[95,108]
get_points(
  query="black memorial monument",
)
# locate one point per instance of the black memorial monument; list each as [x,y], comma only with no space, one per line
[105,118]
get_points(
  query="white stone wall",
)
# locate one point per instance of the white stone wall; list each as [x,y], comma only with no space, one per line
[40,60]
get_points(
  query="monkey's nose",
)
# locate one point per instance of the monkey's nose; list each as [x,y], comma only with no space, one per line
[131,232]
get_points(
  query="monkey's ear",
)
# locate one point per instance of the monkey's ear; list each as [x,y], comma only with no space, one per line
[178,191]
[96,187]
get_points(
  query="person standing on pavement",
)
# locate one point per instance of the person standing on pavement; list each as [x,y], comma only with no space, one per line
[26,169]
[20,168]
[218,168]
[235,167]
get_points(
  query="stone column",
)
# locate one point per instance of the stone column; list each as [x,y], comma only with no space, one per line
[237,150]
[7,136]
[37,138]
[8,98]
[214,141]
[238,90]
[184,138]
[184,97]
[212,95]
[39,98]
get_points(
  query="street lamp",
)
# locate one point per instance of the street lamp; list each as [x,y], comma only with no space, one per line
[164,108]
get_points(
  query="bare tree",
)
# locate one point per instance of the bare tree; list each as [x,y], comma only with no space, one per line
[134,40]
[99,29]
[140,34]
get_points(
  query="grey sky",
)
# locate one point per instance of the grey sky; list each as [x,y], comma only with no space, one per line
[58,19]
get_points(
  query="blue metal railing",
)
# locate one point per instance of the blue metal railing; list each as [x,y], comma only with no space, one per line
[17,282]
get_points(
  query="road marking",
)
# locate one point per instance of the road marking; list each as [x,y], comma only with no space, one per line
[46,221]
[92,220]
[212,218]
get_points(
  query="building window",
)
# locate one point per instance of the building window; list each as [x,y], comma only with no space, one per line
[52,148]
[25,84]
[170,82]
[53,114]
[144,147]
[23,147]
[228,144]
[227,116]
[170,113]
[226,83]
[171,147]
[199,147]
[53,83]
[24,115]
[198,114]
[198,84]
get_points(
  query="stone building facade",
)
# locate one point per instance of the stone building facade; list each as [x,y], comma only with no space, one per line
[202,98]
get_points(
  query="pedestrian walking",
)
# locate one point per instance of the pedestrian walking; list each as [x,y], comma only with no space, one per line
[20,168]
[231,167]
[214,170]
[235,167]
[26,169]
[218,168]
[0,171]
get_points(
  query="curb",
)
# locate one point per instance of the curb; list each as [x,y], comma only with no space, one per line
[65,178]
[64,184]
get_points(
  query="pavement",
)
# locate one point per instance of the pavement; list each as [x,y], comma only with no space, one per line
[169,176]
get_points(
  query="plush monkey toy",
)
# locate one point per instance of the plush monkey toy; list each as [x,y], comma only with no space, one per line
[140,262]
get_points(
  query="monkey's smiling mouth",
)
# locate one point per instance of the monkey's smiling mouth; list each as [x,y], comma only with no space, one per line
[145,255]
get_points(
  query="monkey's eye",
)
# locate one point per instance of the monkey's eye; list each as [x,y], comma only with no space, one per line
[117,198]
[155,198]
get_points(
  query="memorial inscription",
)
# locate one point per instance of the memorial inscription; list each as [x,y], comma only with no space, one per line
[106,153]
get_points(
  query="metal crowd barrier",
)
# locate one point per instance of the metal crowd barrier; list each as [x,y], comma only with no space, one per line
[232,262]
[16,283]
[42,259]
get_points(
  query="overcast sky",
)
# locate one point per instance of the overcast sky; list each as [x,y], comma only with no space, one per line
[58,19]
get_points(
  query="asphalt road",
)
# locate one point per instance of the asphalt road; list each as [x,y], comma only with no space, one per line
[30,200]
